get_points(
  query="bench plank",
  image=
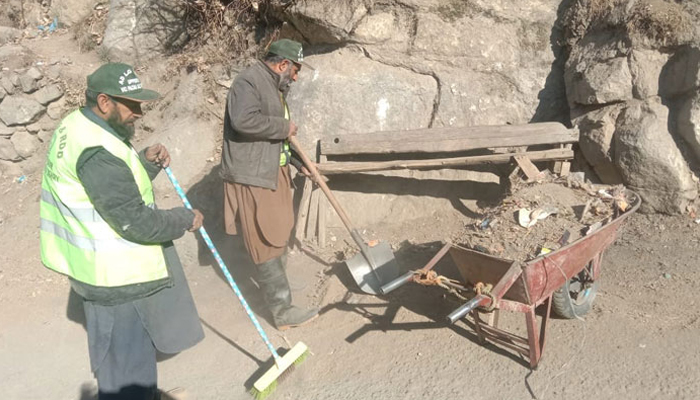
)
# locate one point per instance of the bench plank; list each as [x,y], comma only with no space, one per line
[330,168]
[449,139]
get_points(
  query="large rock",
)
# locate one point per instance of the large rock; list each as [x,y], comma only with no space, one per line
[646,67]
[649,160]
[56,109]
[324,22]
[34,73]
[28,83]
[139,30]
[20,110]
[25,143]
[597,129]
[7,85]
[48,93]
[599,83]
[8,34]
[494,62]
[689,122]
[71,12]
[384,28]
[681,74]
[15,56]
[374,97]
[6,131]
[7,150]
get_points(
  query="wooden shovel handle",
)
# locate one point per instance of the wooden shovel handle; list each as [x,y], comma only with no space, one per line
[321,182]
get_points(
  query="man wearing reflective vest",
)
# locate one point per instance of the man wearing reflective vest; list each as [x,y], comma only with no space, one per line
[100,228]
[255,168]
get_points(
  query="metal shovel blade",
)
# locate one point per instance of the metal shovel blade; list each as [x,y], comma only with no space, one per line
[386,268]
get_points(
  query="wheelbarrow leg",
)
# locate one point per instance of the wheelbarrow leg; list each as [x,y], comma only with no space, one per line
[492,321]
[536,340]
[545,322]
[477,327]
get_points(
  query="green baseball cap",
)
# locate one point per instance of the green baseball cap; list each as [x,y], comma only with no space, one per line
[119,80]
[289,49]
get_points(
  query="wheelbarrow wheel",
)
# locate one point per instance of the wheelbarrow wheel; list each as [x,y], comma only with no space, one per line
[575,297]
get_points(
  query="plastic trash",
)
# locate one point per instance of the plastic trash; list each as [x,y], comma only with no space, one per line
[485,223]
[527,218]
[50,27]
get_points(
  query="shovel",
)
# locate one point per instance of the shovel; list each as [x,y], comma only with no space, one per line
[374,266]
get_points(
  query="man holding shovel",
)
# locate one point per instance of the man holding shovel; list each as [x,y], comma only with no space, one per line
[100,227]
[255,167]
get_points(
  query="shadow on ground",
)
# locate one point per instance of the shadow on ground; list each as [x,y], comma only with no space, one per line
[433,303]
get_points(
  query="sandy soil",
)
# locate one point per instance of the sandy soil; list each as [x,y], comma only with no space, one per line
[640,341]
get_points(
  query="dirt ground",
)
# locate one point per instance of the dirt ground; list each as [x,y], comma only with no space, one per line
[640,341]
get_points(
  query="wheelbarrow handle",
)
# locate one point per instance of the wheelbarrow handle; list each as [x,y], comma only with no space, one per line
[398,282]
[408,276]
[477,301]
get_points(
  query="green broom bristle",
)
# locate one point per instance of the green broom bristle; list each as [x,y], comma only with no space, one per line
[261,395]
[302,358]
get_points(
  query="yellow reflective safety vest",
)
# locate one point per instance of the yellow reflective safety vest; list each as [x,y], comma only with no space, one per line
[285,153]
[75,240]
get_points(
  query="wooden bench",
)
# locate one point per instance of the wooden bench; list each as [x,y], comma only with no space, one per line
[433,148]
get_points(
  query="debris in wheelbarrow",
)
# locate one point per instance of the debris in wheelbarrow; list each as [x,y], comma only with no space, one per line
[537,215]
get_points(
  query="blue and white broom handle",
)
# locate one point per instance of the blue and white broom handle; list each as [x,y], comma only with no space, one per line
[231,282]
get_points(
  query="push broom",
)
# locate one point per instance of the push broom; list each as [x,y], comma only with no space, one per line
[267,383]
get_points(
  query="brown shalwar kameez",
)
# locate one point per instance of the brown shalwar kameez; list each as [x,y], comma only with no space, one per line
[266,216]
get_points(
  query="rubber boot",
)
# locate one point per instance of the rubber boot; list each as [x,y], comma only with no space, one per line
[278,296]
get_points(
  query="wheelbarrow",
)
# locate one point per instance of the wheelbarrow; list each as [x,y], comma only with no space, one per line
[565,280]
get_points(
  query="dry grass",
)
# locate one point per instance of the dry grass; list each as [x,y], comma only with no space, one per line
[659,23]
[226,30]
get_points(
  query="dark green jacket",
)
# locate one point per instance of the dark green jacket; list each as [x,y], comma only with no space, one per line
[111,187]
[254,128]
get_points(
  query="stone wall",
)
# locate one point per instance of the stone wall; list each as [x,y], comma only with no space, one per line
[406,64]
[632,82]
[30,106]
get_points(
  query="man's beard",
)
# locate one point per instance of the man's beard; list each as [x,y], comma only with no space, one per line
[125,130]
[286,79]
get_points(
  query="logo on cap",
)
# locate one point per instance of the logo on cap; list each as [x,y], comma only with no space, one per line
[129,85]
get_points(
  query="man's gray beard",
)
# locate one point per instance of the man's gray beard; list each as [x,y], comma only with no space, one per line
[286,80]
[125,131]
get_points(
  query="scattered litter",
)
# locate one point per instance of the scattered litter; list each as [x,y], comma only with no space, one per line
[50,27]
[564,240]
[666,275]
[527,218]
[21,179]
[604,194]
[485,223]
[543,251]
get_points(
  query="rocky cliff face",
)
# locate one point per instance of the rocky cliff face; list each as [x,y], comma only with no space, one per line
[416,64]
[625,72]
[411,64]
[632,80]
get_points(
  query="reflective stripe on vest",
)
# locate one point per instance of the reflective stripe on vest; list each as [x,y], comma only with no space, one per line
[285,153]
[75,239]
